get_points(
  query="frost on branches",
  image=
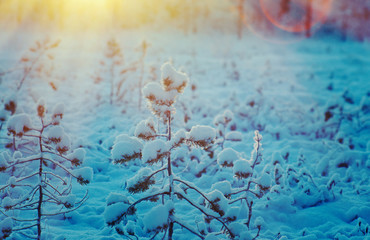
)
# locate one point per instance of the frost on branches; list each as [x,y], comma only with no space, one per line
[39,173]
[157,182]
[255,183]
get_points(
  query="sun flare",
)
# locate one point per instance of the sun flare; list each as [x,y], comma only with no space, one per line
[77,14]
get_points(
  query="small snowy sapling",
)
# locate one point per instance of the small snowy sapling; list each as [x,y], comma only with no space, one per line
[256,183]
[39,172]
[155,149]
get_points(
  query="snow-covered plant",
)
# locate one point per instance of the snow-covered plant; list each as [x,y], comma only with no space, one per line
[255,182]
[10,107]
[143,48]
[113,65]
[341,112]
[39,173]
[298,182]
[31,62]
[222,122]
[154,149]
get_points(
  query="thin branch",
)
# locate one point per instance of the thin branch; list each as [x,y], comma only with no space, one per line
[165,234]
[309,175]
[51,197]
[25,161]
[30,135]
[18,229]
[37,187]
[50,173]
[3,187]
[189,229]
[18,220]
[258,233]
[158,171]
[238,199]
[61,166]
[208,215]
[156,233]
[194,188]
[33,192]
[70,210]
[29,69]
[27,205]
[27,236]
[68,189]
[59,155]
[52,187]
[145,199]
[24,178]
[10,70]
[245,190]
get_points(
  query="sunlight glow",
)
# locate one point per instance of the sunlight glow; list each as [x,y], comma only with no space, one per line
[294,19]
[76,14]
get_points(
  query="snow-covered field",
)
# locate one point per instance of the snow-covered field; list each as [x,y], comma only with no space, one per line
[309,99]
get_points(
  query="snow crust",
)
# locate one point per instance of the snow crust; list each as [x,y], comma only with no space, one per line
[69,200]
[178,138]
[264,180]
[219,199]
[18,124]
[57,113]
[77,156]
[114,211]
[55,134]
[202,133]
[86,173]
[154,150]
[6,225]
[157,217]
[223,186]
[224,118]
[242,167]
[125,147]
[115,198]
[145,129]
[172,79]
[234,136]
[141,174]
[64,144]
[3,162]
[227,157]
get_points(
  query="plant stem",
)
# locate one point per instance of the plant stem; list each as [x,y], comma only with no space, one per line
[111,83]
[39,212]
[170,177]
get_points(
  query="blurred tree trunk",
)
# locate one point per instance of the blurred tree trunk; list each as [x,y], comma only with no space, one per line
[240,8]
[194,16]
[284,7]
[19,12]
[308,18]
[344,26]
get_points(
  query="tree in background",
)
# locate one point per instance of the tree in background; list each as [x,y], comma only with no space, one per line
[308,22]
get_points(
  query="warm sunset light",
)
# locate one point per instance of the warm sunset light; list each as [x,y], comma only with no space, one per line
[95,14]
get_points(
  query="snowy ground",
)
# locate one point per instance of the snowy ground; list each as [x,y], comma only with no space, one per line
[283,90]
